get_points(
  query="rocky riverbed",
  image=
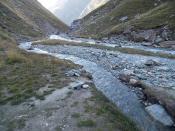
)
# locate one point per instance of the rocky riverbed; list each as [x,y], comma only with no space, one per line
[144,76]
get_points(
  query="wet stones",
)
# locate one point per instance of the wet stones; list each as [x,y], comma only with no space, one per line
[152,63]
[115,67]
[85,86]
[159,114]
[73,72]
[124,18]
[134,82]
[125,76]
[167,44]
[78,85]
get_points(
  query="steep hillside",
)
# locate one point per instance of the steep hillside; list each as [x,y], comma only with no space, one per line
[150,20]
[27,18]
[92,6]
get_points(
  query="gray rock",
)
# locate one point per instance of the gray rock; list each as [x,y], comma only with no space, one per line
[85,86]
[163,68]
[146,35]
[76,74]
[159,114]
[167,44]
[146,44]
[114,67]
[124,77]
[77,85]
[158,39]
[152,63]
[124,18]
[134,82]
[73,73]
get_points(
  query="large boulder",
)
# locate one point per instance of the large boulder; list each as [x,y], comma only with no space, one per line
[160,95]
[167,44]
[160,114]
[146,35]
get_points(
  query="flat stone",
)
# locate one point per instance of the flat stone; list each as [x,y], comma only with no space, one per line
[124,18]
[76,85]
[167,44]
[133,82]
[152,63]
[85,86]
[124,77]
[159,114]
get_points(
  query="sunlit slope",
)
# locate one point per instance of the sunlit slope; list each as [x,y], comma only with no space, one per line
[92,6]
[118,15]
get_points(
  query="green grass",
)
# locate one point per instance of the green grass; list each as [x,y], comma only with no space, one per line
[75,115]
[120,49]
[86,123]
[155,18]
[149,17]
[23,74]
[16,124]
[29,20]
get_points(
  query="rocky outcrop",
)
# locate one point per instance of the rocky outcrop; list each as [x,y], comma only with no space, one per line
[160,36]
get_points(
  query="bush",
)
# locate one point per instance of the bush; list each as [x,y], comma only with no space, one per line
[15,57]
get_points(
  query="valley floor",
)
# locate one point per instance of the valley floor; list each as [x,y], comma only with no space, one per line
[40,92]
[146,71]
[146,82]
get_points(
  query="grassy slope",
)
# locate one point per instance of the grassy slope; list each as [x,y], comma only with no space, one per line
[23,74]
[151,16]
[10,22]
[27,18]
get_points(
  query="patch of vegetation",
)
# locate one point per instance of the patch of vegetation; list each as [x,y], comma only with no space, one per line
[16,124]
[23,74]
[15,57]
[75,115]
[75,104]
[86,123]
[160,16]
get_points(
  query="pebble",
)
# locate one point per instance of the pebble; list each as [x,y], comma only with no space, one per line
[85,86]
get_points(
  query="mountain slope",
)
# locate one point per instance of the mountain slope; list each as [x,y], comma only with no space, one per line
[91,6]
[71,10]
[27,18]
[128,17]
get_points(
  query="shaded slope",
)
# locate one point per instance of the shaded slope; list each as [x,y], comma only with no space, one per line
[28,18]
